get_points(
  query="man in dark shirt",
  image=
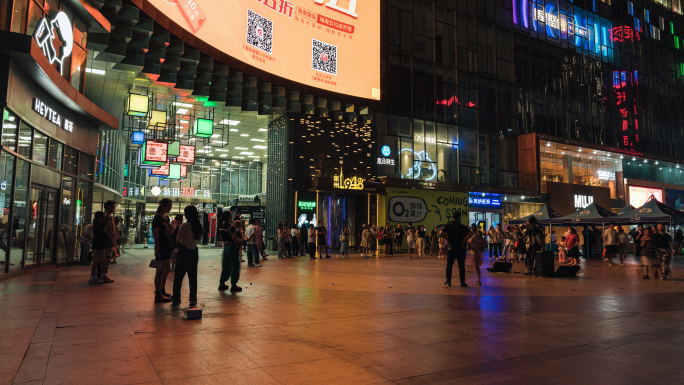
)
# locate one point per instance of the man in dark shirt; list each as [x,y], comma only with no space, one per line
[457,235]
[663,245]
[323,240]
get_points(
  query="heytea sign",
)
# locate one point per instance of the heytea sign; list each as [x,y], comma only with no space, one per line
[52,115]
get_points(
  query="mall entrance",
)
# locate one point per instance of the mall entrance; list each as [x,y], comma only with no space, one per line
[41,229]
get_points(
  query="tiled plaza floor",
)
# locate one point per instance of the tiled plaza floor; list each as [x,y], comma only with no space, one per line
[351,321]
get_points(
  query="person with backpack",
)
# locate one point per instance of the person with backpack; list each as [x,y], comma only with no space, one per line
[161,230]
[534,234]
[457,236]
[100,244]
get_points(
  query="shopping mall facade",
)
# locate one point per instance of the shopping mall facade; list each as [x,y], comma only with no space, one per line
[331,112]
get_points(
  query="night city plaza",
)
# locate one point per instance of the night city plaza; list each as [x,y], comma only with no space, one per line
[342,191]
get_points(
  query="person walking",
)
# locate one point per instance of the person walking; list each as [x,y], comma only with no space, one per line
[637,236]
[303,241]
[366,236]
[294,239]
[498,241]
[161,231]
[344,242]
[572,244]
[610,243]
[457,236]
[535,237]
[420,242]
[411,240]
[648,251]
[187,259]
[230,262]
[312,241]
[663,249]
[398,238]
[477,246]
[387,235]
[434,242]
[281,240]
[260,241]
[623,245]
[251,240]
[322,234]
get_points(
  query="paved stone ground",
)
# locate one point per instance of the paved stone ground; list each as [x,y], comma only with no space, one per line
[352,321]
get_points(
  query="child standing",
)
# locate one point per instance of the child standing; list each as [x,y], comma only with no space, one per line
[443,245]
[561,250]
[411,240]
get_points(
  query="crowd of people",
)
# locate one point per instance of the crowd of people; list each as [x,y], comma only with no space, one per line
[175,246]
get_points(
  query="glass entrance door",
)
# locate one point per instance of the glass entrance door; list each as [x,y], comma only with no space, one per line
[41,225]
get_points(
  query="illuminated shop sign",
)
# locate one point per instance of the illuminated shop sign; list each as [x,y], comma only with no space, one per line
[133,191]
[423,165]
[484,201]
[328,44]
[353,183]
[180,192]
[55,38]
[306,205]
[605,175]
[560,20]
[51,115]
[639,195]
[582,201]
[187,155]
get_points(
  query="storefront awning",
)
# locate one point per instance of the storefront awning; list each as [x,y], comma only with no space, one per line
[590,214]
[544,216]
[651,212]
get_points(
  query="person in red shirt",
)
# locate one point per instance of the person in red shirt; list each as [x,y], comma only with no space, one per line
[571,242]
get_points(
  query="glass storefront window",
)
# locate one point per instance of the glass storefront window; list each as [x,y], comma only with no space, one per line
[40,146]
[9,130]
[70,160]
[35,14]
[55,154]
[19,22]
[82,212]
[20,213]
[6,174]
[25,140]
[66,223]
[86,164]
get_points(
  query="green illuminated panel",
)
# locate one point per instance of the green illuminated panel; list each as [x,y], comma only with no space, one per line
[203,128]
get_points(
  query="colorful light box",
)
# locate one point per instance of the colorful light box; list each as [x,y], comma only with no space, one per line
[187,155]
[137,105]
[203,128]
[137,137]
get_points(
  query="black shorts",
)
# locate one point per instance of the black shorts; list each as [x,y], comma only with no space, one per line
[611,249]
[322,241]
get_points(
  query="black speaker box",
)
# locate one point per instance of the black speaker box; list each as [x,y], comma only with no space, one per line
[567,271]
[500,267]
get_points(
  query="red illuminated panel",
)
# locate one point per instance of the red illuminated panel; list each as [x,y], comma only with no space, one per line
[156,151]
[163,170]
[187,155]
[184,171]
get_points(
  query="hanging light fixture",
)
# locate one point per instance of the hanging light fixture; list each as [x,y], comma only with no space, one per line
[137,105]
[203,128]
[157,120]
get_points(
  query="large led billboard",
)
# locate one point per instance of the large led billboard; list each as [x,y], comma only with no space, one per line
[639,195]
[329,44]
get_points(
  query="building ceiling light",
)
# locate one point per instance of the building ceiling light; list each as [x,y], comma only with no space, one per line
[244,134]
[260,147]
[95,71]
[230,122]
[238,157]
[184,105]
[246,153]
[241,148]
[263,129]
[216,135]
[234,129]
[182,111]
[258,140]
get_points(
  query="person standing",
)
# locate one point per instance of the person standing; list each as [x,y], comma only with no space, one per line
[251,240]
[477,246]
[610,242]
[365,242]
[398,238]
[387,235]
[230,262]
[100,242]
[240,235]
[281,240]
[188,234]
[434,242]
[312,241]
[520,244]
[374,240]
[175,226]
[637,238]
[663,249]
[287,240]
[535,237]
[420,242]
[562,254]
[572,244]
[491,238]
[161,231]
[457,236]
[499,240]
[623,245]
[322,234]
[260,241]
[294,238]
[344,242]
[303,241]
[410,240]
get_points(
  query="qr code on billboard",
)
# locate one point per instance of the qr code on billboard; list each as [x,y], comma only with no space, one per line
[323,57]
[259,32]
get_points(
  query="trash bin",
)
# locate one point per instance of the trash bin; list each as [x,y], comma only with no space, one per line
[274,244]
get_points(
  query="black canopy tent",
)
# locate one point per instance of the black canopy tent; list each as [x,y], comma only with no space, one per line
[651,212]
[592,214]
[544,216]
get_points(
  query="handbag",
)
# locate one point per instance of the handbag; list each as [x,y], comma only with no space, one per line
[156,264]
[174,254]
[343,237]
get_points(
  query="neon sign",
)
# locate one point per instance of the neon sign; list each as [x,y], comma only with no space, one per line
[386,151]
[58,27]
[51,115]
[582,201]
[416,171]
[306,205]
[353,183]
[180,192]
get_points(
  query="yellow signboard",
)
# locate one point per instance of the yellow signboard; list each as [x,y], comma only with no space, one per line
[353,183]
[425,207]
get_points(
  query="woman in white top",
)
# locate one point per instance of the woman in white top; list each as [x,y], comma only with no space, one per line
[188,257]
[312,241]
[366,237]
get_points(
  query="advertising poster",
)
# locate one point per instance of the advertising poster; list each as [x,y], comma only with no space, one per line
[639,195]
[328,44]
[425,207]
[675,198]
